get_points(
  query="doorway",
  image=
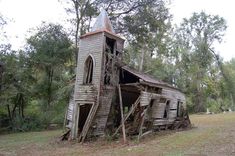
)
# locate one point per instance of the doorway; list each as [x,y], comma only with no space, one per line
[85,110]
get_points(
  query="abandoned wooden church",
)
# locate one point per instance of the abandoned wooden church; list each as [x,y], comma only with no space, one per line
[111,98]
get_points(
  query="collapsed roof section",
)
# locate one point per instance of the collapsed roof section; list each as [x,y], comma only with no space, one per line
[145,79]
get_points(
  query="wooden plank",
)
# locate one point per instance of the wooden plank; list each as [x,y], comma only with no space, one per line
[172,114]
[143,116]
[145,98]
[158,122]
[103,111]
[158,109]
[122,117]
[74,131]
[141,125]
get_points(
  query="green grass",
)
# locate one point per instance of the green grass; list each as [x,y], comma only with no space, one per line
[16,141]
[212,135]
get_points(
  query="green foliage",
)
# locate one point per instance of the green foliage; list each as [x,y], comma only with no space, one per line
[198,69]
[49,50]
[148,31]
[184,58]
[35,88]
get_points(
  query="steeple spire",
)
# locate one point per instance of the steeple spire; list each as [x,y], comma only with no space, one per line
[103,22]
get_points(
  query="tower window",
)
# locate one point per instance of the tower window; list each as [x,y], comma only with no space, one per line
[88,71]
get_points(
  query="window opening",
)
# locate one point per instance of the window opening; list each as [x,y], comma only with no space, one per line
[88,71]
[166,111]
[109,61]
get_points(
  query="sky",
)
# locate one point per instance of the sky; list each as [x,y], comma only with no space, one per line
[184,9]
[25,14]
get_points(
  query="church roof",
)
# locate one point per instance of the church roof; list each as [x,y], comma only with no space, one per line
[103,23]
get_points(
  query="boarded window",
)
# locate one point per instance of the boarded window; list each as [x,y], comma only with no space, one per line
[88,71]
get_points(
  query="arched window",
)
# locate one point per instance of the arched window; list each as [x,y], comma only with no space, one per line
[88,71]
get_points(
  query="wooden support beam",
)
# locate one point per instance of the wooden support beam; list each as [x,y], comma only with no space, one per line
[122,117]
[65,117]
[128,114]
[143,116]
[75,120]
[142,123]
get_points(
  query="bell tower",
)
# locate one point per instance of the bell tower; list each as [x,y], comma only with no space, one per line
[97,76]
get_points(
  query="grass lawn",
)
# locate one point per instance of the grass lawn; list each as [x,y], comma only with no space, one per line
[212,135]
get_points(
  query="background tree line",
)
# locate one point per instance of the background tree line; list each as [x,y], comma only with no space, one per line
[37,80]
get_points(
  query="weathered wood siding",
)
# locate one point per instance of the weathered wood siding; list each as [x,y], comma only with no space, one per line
[70,110]
[175,97]
[174,94]
[86,93]
[158,109]
[145,98]
[103,111]
[89,46]
[93,46]
[160,122]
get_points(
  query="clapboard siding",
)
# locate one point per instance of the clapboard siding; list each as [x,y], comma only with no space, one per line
[103,111]
[172,114]
[173,104]
[158,109]
[159,122]
[175,96]
[70,112]
[145,98]
[90,46]
[173,93]
[86,93]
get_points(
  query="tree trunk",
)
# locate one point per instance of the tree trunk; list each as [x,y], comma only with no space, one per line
[49,89]
[9,113]
[142,59]
[76,7]
[199,94]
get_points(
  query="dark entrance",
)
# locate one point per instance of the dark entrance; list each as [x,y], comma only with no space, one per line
[84,112]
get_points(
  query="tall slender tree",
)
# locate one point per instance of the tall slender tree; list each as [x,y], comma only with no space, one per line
[195,37]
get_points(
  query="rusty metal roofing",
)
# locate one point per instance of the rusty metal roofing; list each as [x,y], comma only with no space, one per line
[103,22]
[147,78]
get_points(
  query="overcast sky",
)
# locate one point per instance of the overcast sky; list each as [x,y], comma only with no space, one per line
[26,14]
